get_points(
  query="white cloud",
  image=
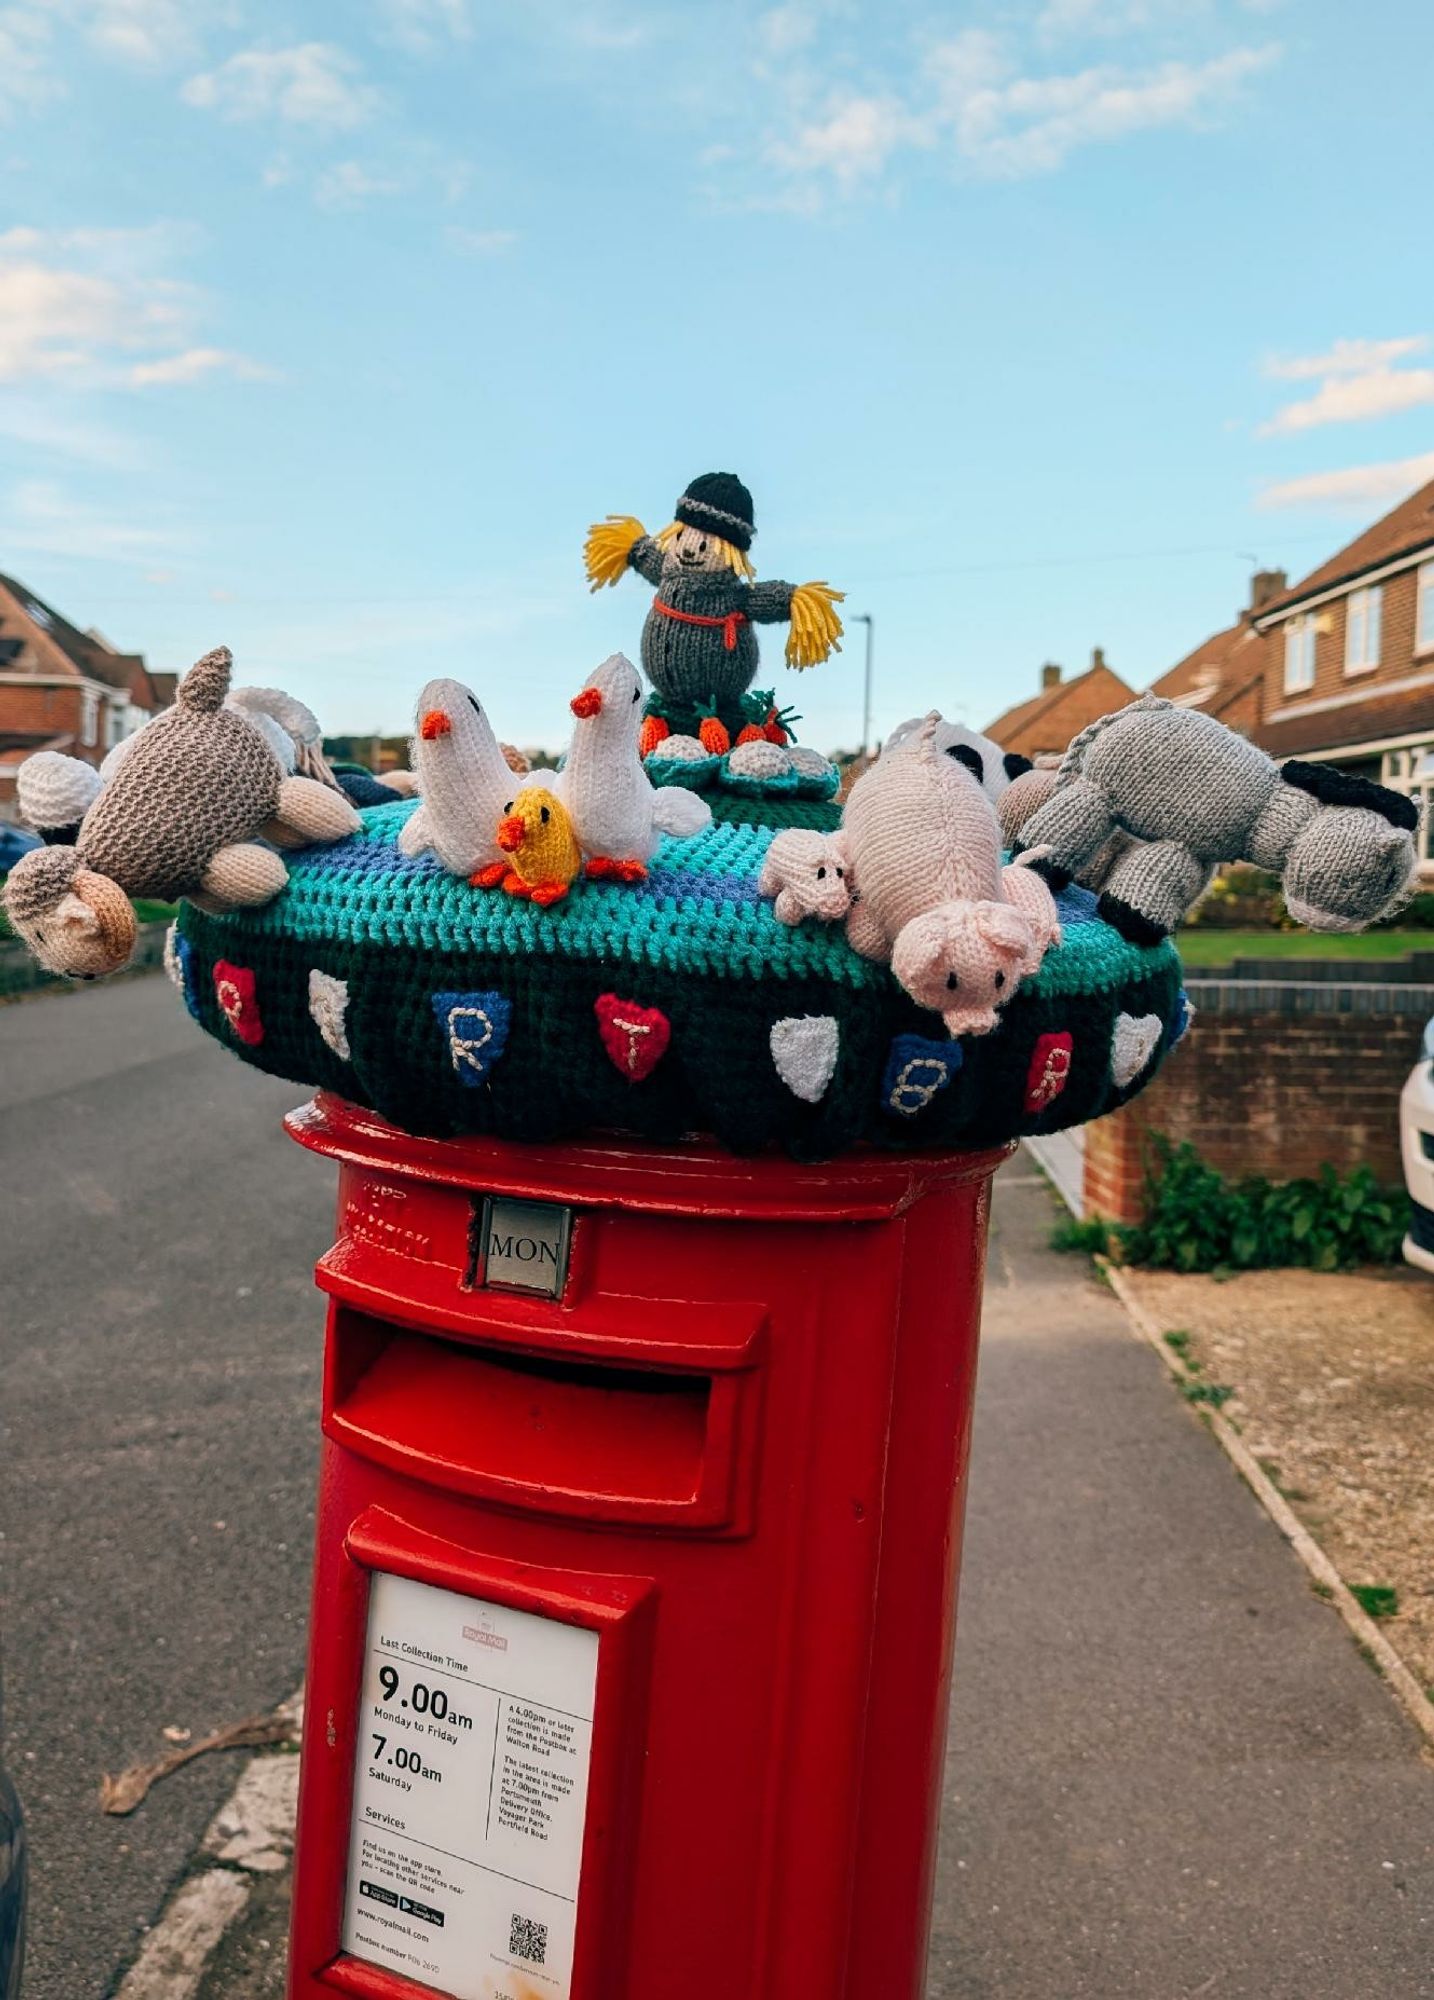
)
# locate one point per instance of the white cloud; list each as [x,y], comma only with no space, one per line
[421,25]
[193,364]
[1355,486]
[349,184]
[479,242]
[315,84]
[150,34]
[25,77]
[1352,399]
[41,518]
[781,31]
[972,100]
[75,304]
[1346,357]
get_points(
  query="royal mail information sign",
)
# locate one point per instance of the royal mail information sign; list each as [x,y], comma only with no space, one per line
[470,1793]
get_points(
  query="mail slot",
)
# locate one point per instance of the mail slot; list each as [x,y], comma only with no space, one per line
[636,1568]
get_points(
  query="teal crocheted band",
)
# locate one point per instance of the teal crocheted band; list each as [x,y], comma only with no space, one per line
[673,1006]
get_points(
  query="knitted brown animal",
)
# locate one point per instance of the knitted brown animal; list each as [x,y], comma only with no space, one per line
[182,816]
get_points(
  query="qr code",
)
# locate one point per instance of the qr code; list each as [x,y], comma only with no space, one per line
[527,1938]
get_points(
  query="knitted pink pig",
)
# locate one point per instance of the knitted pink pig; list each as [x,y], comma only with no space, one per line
[960,932]
[809,874]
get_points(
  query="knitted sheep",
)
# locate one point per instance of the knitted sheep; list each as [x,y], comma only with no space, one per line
[960,931]
[182,816]
[809,874]
[1193,794]
[698,646]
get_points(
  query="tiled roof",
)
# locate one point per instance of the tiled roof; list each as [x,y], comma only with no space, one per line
[55,645]
[1203,666]
[1407,527]
[1050,719]
[1371,721]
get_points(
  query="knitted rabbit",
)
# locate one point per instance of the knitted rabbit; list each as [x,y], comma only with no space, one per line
[1193,794]
[183,815]
[960,931]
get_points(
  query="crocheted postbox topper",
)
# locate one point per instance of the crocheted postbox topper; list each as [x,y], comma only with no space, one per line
[699,646]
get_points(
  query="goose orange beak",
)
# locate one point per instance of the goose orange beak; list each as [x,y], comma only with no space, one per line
[585,703]
[510,833]
[435,723]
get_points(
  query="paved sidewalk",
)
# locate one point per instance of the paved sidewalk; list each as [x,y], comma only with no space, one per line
[1170,1774]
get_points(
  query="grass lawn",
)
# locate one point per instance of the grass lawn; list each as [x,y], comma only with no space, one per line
[1219,947]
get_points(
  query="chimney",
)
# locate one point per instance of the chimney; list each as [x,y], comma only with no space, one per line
[1265,586]
[1050,676]
[1097,657]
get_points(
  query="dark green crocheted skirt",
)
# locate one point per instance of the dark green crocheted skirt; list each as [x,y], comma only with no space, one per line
[676,1006]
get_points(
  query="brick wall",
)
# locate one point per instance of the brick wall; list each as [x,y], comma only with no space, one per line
[1397,657]
[1273,1087]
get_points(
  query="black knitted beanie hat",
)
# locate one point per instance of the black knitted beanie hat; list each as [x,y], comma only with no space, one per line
[720,504]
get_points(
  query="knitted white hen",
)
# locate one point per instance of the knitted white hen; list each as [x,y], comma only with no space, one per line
[464,784]
[619,815]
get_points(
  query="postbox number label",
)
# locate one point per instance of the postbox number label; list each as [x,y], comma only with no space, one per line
[522,1245]
[470,1793]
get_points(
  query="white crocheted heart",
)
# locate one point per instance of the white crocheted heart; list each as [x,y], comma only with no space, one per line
[804,1051]
[329,1006]
[1134,1042]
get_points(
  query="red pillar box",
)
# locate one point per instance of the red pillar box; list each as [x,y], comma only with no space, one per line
[639,1517]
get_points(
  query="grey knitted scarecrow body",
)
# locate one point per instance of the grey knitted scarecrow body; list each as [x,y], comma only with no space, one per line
[692,665]
[1192,794]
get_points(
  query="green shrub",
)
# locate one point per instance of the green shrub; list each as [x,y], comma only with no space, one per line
[1196,1220]
[1242,898]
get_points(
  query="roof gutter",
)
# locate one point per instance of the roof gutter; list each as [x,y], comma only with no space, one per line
[1372,573]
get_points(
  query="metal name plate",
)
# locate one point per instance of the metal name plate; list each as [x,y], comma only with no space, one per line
[524,1246]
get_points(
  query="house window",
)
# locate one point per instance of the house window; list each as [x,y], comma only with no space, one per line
[1424,616]
[1361,630]
[89,717]
[1299,655]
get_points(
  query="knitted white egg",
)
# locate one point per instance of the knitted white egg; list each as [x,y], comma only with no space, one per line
[808,763]
[759,760]
[681,750]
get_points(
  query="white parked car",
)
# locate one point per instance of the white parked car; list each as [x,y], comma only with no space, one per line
[1416,1140]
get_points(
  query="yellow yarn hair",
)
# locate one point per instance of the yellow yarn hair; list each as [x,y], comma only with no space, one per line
[608,546]
[735,558]
[816,629]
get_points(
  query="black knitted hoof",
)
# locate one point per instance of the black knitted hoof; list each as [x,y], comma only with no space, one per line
[1051,873]
[1133,925]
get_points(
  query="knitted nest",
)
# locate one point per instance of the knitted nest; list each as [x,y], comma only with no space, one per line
[672,1007]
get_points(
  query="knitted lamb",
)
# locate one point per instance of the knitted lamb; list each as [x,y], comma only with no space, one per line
[182,815]
[698,646]
[960,931]
[1193,794]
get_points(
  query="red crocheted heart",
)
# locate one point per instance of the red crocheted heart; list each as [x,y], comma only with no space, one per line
[234,989]
[635,1037]
[1050,1070]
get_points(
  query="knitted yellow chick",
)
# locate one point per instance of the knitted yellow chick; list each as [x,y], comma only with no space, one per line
[537,835]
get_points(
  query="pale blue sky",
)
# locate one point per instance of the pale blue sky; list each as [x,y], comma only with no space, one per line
[325,331]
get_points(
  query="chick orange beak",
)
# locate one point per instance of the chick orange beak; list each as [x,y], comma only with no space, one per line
[435,723]
[510,833]
[587,702]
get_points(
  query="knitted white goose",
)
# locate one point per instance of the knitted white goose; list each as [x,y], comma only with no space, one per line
[463,782]
[619,815]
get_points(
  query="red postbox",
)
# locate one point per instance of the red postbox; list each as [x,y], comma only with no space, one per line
[639,1522]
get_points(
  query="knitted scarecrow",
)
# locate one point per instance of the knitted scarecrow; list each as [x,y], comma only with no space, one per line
[699,648]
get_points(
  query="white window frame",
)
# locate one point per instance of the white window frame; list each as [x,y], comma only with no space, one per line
[1301,634]
[89,717]
[1424,609]
[1363,629]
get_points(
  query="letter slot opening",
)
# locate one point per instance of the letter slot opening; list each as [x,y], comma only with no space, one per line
[562,1436]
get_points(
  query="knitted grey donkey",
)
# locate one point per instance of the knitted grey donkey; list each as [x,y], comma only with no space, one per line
[183,815]
[1193,794]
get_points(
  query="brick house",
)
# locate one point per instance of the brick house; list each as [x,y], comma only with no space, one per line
[1226,674]
[64,689]
[1061,709]
[1349,670]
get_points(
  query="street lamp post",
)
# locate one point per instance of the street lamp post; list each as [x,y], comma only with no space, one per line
[865,618]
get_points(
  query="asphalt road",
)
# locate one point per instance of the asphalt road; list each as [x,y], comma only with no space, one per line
[1169,1772]
[159,1366]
